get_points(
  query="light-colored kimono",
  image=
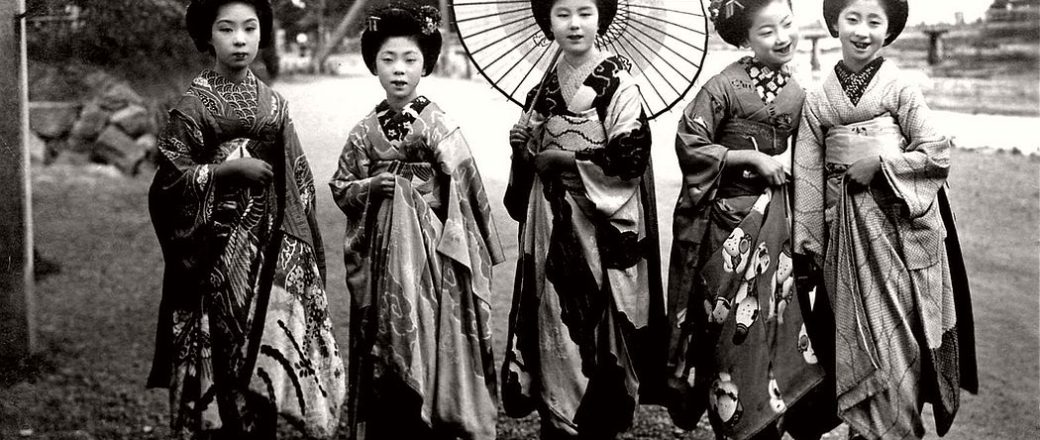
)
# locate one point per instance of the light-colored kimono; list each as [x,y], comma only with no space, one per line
[587,284]
[419,272]
[903,327]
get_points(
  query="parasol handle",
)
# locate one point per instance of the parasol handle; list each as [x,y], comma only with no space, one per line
[541,86]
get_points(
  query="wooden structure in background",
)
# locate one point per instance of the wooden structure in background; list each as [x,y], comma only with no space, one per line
[17,322]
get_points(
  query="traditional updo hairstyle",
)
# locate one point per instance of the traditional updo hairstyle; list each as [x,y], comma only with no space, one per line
[897,11]
[419,24]
[542,10]
[733,18]
[202,13]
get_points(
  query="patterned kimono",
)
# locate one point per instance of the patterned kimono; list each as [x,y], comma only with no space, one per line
[244,328]
[738,342]
[419,271]
[587,295]
[891,262]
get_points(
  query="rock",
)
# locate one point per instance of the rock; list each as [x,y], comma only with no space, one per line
[148,142]
[52,120]
[98,82]
[52,149]
[37,148]
[73,158]
[117,148]
[134,120]
[117,96]
[91,121]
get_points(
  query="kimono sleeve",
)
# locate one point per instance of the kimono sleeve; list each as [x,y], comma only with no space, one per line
[183,193]
[469,235]
[921,170]
[521,171]
[612,174]
[700,158]
[809,184]
[302,179]
[351,183]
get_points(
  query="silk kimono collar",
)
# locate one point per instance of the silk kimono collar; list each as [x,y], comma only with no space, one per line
[573,77]
[768,81]
[855,83]
[398,125]
[240,97]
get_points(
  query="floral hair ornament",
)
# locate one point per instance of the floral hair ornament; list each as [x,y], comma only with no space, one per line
[720,10]
[430,17]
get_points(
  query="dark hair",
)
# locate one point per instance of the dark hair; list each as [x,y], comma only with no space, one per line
[896,10]
[402,21]
[202,13]
[542,10]
[733,19]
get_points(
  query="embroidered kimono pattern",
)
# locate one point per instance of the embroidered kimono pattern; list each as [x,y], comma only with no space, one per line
[587,301]
[244,329]
[738,345]
[419,272]
[889,255]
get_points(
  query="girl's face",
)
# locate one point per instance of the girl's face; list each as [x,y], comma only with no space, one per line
[399,65]
[862,30]
[235,37]
[773,35]
[574,25]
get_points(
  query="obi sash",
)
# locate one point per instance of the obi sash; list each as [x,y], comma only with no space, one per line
[745,134]
[575,133]
[847,144]
[880,136]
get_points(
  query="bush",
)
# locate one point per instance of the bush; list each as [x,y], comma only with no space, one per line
[140,39]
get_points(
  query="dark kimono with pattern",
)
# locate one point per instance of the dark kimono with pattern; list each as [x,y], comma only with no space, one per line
[587,298]
[244,329]
[419,272]
[738,347]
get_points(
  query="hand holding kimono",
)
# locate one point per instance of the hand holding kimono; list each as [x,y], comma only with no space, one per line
[418,266]
[890,257]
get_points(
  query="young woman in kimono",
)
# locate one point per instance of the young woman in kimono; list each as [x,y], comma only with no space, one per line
[871,210]
[587,292]
[244,330]
[420,244]
[739,347]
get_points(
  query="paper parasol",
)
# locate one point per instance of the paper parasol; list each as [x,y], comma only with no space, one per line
[664,40]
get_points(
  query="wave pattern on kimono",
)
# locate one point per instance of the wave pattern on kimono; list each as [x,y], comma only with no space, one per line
[738,344]
[587,301]
[244,328]
[904,333]
[419,270]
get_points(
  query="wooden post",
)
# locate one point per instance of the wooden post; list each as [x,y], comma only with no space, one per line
[935,45]
[17,323]
[814,61]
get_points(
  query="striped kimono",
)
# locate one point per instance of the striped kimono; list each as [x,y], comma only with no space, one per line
[244,328]
[890,258]
[587,296]
[419,273]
